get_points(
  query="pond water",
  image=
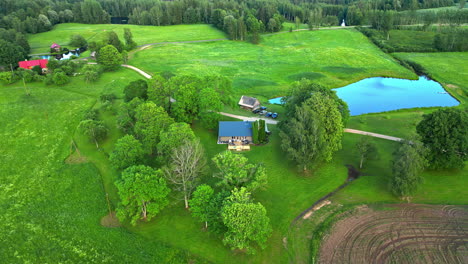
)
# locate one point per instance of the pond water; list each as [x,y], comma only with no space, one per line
[379,94]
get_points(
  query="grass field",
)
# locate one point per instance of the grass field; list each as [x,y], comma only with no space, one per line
[333,58]
[61,34]
[448,68]
[51,209]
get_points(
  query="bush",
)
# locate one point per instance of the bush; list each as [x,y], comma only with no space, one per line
[60,78]
[107,97]
[78,41]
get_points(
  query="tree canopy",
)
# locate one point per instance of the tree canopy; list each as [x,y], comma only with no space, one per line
[143,193]
[109,57]
[444,132]
[172,138]
[313,132]
[235,171]
[95,130]
[127,152]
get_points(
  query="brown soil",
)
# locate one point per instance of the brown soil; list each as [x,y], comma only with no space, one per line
[400,234]
[110,220]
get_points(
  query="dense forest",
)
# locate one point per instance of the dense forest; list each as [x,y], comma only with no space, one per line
[241,20]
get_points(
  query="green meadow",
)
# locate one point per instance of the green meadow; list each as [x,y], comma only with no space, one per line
[333,58]
[40,43]
[448,68]
[54,204]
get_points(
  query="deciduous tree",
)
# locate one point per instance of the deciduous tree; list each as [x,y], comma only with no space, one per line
[95,130]
[247,223]
[134,89]
[143,193]
[235,171]
[109,57]
[186,167]
[200,203]
[444,132]
[127,152]
[366,150]
[172,138]
[408,163]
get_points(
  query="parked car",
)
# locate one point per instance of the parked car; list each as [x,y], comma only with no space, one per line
[262,107]
[274,115]
[263,112]
[256,111]
[268,114]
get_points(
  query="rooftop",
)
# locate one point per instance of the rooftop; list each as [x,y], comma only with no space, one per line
[235,129]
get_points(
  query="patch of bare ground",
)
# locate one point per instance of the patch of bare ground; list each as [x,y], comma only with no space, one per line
[110,220]
[76,158]
[451,86]
[406,233]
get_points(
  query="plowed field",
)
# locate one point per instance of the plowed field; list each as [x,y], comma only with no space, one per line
[400,234]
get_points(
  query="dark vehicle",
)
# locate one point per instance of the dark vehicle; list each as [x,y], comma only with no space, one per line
[256,111]
[262,107]
[274,115]
[268,114]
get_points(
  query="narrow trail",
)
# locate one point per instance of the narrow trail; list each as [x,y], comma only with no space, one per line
[246,118]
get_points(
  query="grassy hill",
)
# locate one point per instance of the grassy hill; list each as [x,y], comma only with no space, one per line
[333,58]
[61,34]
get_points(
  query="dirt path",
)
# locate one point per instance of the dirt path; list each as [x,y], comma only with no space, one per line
[354,131]
[146,75]
[246,118]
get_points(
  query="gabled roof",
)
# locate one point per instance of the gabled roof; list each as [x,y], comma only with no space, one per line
[248,101]
[32,63]
[235,129]
[55,45]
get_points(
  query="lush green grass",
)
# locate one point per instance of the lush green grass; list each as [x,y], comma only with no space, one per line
[40,43]
[448,68]
[330,57]
[50,209]
[411,40]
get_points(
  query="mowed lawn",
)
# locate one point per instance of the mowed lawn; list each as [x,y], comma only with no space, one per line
[61,34]
[332,58]
[448,68]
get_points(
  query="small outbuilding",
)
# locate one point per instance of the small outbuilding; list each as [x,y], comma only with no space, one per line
[237,134]
[249,103]
[55,47]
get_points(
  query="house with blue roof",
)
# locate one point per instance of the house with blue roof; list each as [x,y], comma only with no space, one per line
[237,134]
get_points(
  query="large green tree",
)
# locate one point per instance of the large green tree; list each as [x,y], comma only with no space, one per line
[109,57]
[444,132]
[313,133]
[200,203]
[127,152]
[150,121]
[186,167]
[235,171]
[172,138]
[143,193]
[209,104]
[408,163]
[10,53]
[129,42]
[94,130]
[134,89]
[247,223]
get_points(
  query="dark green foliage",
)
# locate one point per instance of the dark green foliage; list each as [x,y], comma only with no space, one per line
[109,57]
[255,132]
[408,163]
[94,130]
[37,69]
[113,39]
[10,53]
[262,138]
[247,223]
[91,114]
[60,77]
[127,152]
[129,43]
[143,193]
[172,138]
[91,12]
[109,97]
[135,89]
[445,134]
[200,203]
[78,41]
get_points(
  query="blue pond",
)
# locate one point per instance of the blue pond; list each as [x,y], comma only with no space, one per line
[379,94]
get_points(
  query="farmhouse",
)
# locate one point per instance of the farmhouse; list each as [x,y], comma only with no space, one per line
[29,64]
[237,134]
[249,103]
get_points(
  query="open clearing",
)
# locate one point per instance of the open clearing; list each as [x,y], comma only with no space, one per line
[332,58]
[400,234]
[61,34]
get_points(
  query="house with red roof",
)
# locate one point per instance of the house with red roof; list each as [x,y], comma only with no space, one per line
[29,64]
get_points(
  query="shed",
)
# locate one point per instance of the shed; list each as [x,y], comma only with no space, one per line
[250,103]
